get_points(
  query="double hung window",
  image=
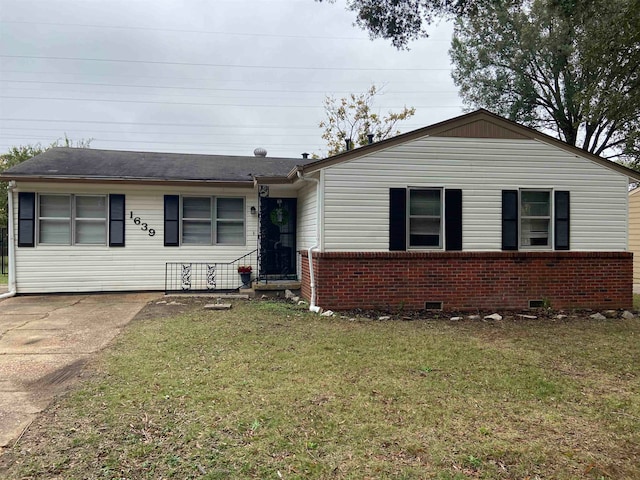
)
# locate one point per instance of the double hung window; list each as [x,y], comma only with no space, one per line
[425,218]
[72,219]
[535,219]
[213,220]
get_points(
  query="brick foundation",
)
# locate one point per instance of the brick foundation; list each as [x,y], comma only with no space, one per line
[470,280]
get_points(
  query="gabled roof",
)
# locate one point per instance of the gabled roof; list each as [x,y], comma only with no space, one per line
[478,124]
[92,165]
[88,164]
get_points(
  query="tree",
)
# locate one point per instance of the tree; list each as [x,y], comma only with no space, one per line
[557,65]
[19,154]
[351,118]
[402,21]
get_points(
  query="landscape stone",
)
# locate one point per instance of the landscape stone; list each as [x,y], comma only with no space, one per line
[455,319]
[327,313]
[302,302]
[527,317]
[598,316]
[384,317]
[295,299]
[627,315]
[610,313]
[495,316]
[288,294]
[474,317]
[560,316]
[217,306]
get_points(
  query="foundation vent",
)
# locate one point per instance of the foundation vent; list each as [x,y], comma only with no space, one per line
[536,303]
[433,305]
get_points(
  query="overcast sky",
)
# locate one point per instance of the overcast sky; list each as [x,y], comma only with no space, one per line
[202,76]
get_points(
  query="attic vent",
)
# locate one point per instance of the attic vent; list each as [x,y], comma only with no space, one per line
[433,305]
[260,152]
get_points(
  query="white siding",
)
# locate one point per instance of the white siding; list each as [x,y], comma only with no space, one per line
[634,232]
[307,217]
[140,265]
[356,203]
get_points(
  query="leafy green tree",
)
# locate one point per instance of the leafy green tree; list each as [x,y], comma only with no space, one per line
[19,154]
[352,118]
[567,66]
[402,21]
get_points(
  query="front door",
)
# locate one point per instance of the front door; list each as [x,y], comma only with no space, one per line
[278,238]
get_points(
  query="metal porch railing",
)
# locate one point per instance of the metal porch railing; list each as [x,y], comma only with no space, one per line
[208,276]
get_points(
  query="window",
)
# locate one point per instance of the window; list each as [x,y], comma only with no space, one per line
[535,219]
[90,220]
[81,218]
[196,221]
[55,219]
[230,221]
[207,221]
[425,218]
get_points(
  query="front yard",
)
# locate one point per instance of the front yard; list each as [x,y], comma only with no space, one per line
[268,390]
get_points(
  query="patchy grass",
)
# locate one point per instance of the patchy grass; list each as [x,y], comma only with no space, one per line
[270,391]
[636,301]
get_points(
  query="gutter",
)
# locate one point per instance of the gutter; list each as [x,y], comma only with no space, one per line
[10,238]
[312,303]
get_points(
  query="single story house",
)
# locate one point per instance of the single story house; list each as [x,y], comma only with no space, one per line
[476,212]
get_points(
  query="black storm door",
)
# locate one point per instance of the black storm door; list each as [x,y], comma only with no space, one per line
[278,238]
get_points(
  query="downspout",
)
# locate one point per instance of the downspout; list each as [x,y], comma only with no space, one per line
[10,239]
[312,303]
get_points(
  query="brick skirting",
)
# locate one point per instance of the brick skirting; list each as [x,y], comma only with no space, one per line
[470,280]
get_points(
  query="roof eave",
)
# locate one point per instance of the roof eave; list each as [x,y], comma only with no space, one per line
[137,181]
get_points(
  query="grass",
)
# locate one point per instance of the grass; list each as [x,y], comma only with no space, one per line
[267,390]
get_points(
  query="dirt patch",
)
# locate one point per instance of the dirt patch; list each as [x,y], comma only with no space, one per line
[59,380]
[170,307]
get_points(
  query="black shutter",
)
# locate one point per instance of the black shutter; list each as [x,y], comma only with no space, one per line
[453,219]
[26,219]
[561,225]
[171,220]
[116,220]
[397,219]
[509,220]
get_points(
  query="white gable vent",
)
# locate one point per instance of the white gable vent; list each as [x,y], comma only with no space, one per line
[260,152]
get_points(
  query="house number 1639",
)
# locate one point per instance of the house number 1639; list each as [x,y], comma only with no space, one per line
[143,226]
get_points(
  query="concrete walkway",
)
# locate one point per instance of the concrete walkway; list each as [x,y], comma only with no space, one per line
[44,343]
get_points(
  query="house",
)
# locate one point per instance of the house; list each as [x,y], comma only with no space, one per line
[475,212]
[634,231]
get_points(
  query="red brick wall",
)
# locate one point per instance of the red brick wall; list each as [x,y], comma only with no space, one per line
[470,280]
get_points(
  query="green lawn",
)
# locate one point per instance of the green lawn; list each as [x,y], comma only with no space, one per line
[270,391]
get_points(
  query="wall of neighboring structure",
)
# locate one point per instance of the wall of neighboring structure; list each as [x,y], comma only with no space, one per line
[471,280]
[140,265]
[634,232]
[356,206]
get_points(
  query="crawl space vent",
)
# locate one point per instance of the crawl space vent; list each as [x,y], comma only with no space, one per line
[433,305]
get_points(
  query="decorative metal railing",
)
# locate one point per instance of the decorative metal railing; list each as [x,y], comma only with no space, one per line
[209,276]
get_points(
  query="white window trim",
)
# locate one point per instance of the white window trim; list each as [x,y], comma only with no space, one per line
[551,217]
[213,219]
[72,219]
[441,243]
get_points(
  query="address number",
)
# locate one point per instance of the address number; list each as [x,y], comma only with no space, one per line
[143,226]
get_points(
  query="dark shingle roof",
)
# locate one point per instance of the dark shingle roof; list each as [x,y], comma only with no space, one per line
[85,163]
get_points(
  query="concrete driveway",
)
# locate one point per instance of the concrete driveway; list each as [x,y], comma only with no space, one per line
[44,343]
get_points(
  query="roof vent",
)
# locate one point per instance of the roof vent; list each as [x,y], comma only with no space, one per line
[260,152]
[305,155]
